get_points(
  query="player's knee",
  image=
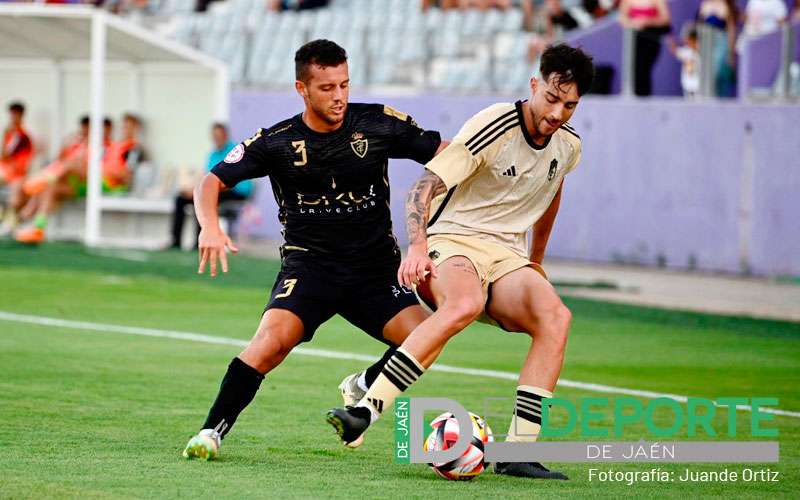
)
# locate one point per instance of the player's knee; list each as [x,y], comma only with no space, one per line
[553,324]
[271,344]
[561,318]
[459,313]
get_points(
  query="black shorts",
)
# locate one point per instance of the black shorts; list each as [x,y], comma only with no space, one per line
[368,300]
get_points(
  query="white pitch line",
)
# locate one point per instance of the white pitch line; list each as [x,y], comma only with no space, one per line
[324,353]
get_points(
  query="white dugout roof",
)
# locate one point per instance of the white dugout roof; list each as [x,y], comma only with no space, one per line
[65,61]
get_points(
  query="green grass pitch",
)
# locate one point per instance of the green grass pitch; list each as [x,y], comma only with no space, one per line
[91,414]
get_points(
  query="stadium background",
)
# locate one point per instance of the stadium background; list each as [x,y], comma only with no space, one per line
[697,187]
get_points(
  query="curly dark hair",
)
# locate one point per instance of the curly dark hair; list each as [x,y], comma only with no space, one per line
[320,53]
[570,64]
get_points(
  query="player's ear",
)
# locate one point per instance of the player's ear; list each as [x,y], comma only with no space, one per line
[301,88]
[534,83]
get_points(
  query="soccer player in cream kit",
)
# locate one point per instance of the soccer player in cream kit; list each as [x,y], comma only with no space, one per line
[468,218]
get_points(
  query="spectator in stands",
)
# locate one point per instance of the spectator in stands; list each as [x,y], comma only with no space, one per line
[15,157]
[560,18]
[597,8]
[202,5]
[650,19]
[66,179]
[73,154]
[222,145]
[796,12]
[763,16]
[467,4]
[551,20]
[280,5]
[722,17]
[689,55]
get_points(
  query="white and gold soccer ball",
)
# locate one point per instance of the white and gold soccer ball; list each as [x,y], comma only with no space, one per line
[445,434]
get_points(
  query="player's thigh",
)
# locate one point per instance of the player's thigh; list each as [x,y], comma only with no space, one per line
[458,287]
[308,294]
[378,305]
[522,299]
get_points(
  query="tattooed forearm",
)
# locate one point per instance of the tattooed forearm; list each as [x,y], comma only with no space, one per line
[418,204]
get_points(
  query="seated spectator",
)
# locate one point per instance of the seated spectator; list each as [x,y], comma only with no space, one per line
[15,157]
[121,157]
[466,4]
[72,161]
[281,5]
[66,178]
[650,19]
[222,146]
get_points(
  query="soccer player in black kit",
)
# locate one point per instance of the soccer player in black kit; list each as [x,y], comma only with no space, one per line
[328,170]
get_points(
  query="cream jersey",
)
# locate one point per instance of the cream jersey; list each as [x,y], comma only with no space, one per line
[499,182]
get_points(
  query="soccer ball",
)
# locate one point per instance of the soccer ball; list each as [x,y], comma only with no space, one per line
[445,435]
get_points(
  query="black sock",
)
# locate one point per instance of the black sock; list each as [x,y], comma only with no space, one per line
[237,390]
[373,371]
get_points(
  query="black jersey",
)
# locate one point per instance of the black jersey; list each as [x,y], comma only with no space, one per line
[332,188]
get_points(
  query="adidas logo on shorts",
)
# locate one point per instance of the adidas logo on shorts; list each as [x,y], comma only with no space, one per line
[511,172]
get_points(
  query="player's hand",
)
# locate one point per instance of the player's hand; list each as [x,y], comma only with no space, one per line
[414,268]
[212,244]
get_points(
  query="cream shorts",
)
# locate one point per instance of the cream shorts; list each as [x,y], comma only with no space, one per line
[491,261]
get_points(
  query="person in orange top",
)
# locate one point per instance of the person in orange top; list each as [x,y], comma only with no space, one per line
[67,178]
[72,161]
[121,155]
[15,156]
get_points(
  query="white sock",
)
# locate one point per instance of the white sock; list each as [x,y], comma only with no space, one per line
[362,381]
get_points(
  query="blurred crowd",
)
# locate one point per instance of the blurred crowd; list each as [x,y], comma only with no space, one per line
[728,28]
[723,24]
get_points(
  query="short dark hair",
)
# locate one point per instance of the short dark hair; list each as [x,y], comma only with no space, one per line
[219,125]
[570,64]
[323,53]
[16,107]
[86,120]
[132,117]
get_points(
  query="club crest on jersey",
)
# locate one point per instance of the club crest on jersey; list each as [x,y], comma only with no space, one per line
[235,154]
[553,167]
[359,145]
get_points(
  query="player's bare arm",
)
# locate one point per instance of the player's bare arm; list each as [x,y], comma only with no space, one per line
[541,232]
[418,202]
[212,240]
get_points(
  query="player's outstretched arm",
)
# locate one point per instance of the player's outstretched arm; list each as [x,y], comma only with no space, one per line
[212,240]
[418,202]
